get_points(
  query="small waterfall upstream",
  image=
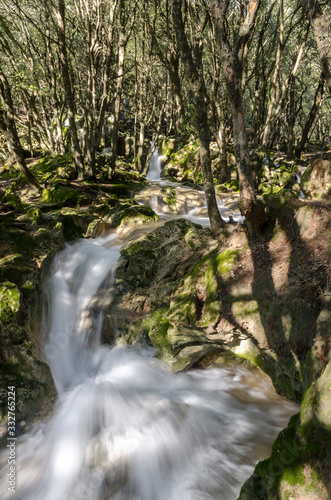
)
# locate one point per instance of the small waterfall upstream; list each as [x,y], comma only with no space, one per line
[154,169]
[124,426]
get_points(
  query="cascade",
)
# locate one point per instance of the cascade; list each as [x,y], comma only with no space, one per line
[124,426]
[154,169]
[298,178]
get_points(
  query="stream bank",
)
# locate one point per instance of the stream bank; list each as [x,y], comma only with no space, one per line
[264,300]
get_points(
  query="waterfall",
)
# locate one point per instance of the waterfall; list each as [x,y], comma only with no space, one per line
[298,178]
[125,427]
[154,169]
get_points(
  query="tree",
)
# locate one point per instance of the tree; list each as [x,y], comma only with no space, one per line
[321,25]
[8,128]
[165,47]
[197,88]
[123,37]
[69,95]
[232,59]
[312,115]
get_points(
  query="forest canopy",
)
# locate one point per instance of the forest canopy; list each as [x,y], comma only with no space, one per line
[77,75]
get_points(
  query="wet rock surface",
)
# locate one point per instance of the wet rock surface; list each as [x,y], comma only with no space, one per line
[263,301]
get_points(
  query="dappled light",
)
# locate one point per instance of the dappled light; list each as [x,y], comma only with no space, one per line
[165,272]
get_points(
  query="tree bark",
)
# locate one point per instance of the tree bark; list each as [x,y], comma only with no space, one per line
[311,117]
[231,59]
[8,128]
[122,42]
[274,77]
[197,89]
[291,120]
[70,100]
[321,25]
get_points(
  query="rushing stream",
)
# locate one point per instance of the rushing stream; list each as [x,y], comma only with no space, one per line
[124,426]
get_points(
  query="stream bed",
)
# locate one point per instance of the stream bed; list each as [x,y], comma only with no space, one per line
[124,427]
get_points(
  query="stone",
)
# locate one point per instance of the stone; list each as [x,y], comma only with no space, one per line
[316,180]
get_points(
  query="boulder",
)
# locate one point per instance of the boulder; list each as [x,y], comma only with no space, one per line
[316,180]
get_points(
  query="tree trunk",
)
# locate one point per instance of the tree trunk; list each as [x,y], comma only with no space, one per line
[173,69]
[272,103]
[232,68]
[291,120]
[246,183]
[8,128]
[140,153]
[60,17]
[197,89]
[122,41]
[320,23]
[311,117]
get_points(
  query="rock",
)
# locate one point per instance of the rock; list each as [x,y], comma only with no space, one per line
[300,463]
[231,159]
[13,199]
[168,146]
[9,301]
[60,194]
[233,296]
[26,262]
[149,271]
[316,180]
[158,255]
[132,214]
[67,172]
[183,162]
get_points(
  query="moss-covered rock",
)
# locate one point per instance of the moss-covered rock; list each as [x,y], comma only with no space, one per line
[251,312]
[13,198]
[50,167]
[60,194]
[316,180]
[132,214]
[168,146]
[182,162]
[300,463]
[9,301]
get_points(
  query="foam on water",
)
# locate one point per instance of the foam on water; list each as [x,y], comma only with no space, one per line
[125,427]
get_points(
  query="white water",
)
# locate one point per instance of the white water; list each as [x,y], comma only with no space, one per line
[154,169]
[191,204]
[301,193]
[124,427]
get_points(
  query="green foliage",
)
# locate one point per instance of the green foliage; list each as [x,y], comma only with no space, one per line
[60,194]
[9,301]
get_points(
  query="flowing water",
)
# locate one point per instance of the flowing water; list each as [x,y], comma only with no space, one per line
[154,169]
[298,178]
[124,426]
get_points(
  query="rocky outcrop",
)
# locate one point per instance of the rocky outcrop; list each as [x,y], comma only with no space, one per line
[259,300]
[264,302]
[150,269]
[316,180]
[300,463]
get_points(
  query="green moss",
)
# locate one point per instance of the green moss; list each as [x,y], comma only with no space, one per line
[28,285]
[301,455]
[34,214]
[10,297]
[22,242]
[136,214]
[47,168]
[170,195]
[13,198]
[120,189]
[8,259]
[157,326]
[60,194]
[226,260]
